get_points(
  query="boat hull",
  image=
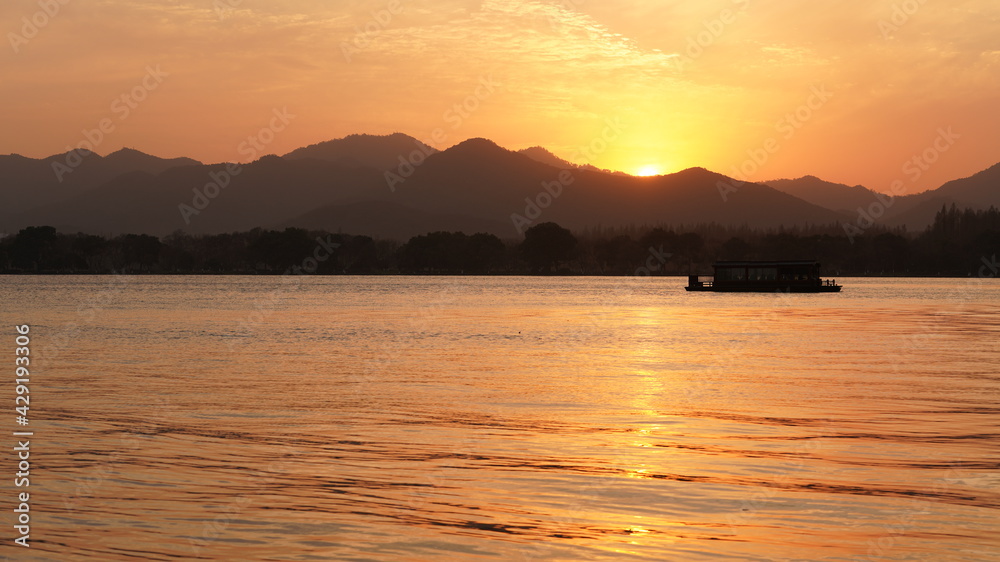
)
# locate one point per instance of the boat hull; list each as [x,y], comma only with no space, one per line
[767,289]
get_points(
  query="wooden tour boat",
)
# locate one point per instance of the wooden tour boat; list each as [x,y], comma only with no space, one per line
[765,276]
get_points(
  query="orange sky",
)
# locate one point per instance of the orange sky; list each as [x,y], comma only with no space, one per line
[642,85]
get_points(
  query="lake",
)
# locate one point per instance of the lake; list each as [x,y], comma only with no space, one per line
[505,418]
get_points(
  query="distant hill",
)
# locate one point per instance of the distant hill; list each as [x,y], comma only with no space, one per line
[915,212]
[27,183]
[264,193]
[130,160]
[833,196]
[356,185]
[539,154]
[543,155]
[479,178]
[980,190]
[379,152]
[384,219]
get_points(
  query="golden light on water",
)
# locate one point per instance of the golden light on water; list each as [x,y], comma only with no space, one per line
[663,428]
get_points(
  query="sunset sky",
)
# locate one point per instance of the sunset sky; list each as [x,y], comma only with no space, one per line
[668,84]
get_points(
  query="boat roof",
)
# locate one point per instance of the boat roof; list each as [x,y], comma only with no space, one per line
[810,263]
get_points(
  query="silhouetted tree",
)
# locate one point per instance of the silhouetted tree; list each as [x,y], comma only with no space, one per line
[546,245]
[960,242]
[620,255]
[358,255]
[485,253]
[657,238]
[138,251]
[279,251]
[436,252]
[451,252]
[735,249]
[34,248]
[689,245]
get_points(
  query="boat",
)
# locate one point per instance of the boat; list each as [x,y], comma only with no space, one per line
[765,276]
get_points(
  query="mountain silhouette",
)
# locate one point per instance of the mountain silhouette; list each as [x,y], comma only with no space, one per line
[27,183]
[263,193]
[379,152]
[131,160]
[979,191]
[543,155]
[393,186]
[829,195]
[480,179]
[384,219]
[539,154]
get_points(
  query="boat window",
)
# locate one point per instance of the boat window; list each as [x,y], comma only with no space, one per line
[763,273]
[730,274]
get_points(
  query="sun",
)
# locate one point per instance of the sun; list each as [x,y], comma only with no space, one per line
[649,170]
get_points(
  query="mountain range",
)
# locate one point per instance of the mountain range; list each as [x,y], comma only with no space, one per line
[395,186]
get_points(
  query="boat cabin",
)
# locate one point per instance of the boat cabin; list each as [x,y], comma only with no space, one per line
[790,276]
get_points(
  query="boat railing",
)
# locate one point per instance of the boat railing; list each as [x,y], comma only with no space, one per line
[696,281]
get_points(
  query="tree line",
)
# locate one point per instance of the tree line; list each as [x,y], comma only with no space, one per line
[956,244]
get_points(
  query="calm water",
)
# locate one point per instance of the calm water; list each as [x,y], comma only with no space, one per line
[419,418]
